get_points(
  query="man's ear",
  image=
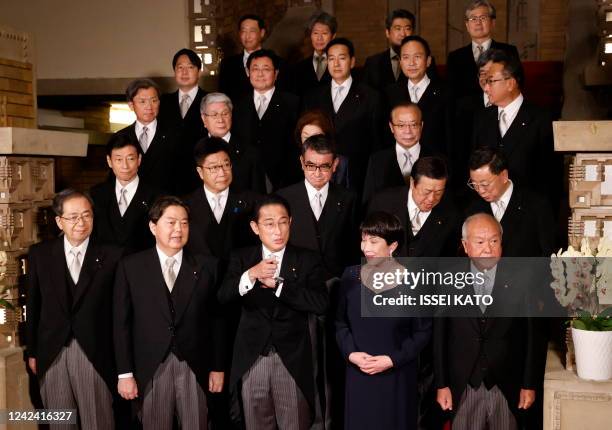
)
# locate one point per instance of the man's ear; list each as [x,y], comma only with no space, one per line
[352,62]
[152,227]
[108,161]
[429,61]
[254,227]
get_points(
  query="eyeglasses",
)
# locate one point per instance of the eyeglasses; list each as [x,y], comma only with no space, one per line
[492,81]
[481,18]
[270,225]
[224,114]
[145,102]
[402,126]
[478,185]
[73,219]
[214,170]
[324,168]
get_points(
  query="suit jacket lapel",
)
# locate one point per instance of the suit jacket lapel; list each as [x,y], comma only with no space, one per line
[92,261]
[184,285]
[513,135]
[273,106]
[59,270]
[289,267]
[153,281]
[328,217]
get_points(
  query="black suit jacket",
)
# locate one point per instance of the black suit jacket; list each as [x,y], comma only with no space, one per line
[528,223]
[279,321]
[334,235]
[433,105]
[247,169]
[160,164]
[358,125]
[233,79]
[462,73]
[190,129]
[304,78]
[384,171]
[150,322]
[130,231]
[527,145]
[438,237]
[59,311]
[272,135]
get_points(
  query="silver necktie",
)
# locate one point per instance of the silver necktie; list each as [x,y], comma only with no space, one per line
[414,94]
[75,265]
[123,204]
[407,166]
[143,140]
[261,106]
[317,206]
[395,66]
[337,101]
[321,66]
[218,209]
[185,104]
[479,51]
[499,209]
[503,125]
[169,275]
[416,222]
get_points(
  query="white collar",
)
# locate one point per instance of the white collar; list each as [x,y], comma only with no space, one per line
[505,198]
[268,94]
[151,127]
[163,257]
[227,136]
[192,93]
[414,150]
[392,54]
[311,191]
[212,196]
[485,45]
[423,83]
[279,254]
[315,55]
[412,205]
[511,109]
[346,84]
[130,187]
[82,248]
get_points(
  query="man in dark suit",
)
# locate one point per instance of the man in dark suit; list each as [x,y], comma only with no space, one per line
[233,77]
[420,88]
[354,108]
[247,169]
[522,131]
[278,286]
[502,359]
[265,120]
[526,217]
[168,338]
[428,216]
[312,72]
[462,71]
[69,325]
[122,203]
[391,167]
[182,109]
[161,152]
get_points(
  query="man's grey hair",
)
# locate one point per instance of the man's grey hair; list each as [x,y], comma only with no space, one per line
[211,98]
[479,3]
[475,217]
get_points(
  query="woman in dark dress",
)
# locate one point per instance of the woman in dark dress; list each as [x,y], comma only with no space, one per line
[380,352]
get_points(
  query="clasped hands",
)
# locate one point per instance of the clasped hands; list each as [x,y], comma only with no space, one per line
[370,364]
[128,388]
[264,272]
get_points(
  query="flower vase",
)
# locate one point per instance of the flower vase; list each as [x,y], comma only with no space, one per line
[593,351]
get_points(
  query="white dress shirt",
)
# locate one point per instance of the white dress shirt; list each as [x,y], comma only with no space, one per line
[212,198]
[245,57]
[413,208]
[151,128]
[82,248]
[246,285]
[511,110]
[130,190]
[413,152]
[485,46]
[485,99]
[312,191]
[346,88]
[268,95]
[191,93]
[505,200]
[420,88]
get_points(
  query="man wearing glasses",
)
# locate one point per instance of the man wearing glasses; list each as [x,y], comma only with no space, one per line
[461,64]
[69,324]
[278,287]
[248,174]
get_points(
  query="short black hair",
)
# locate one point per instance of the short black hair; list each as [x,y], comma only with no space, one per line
[512,65]
[137,85]
[264,53]
[399,13]
[342,41]
[69,193]
[319,143]
[486,156]
[269,200]
[193,58]
[383,225]
[432,167]
[419,39]
[207,146]
[260,22]
[121,140]
[320,17]
[162,203]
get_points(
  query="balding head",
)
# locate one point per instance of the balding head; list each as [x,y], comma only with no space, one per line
[481,236]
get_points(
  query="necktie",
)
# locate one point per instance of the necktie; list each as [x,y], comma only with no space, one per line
[143,140]
[218,209]
[321,65]
[499,209]
[415,221]
[275,257]
[337,99]
[484,288]
[169,275]
[407,166]
[185,104]
[261,106]
[503,125]
[317,206]
[75,265]
[123,204]
[395,66]
[479,51]
[414,94]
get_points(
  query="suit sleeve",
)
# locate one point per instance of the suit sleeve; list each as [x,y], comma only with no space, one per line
[218,325]
[228,292]
[309,295]
[344,335]
[368,72]
[413,343]
[376,123]
[535,357]
[223,78]
[122,321]
[33,304]
[440,352]
[369,186]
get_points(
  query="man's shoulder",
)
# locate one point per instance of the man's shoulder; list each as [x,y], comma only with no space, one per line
[101,190]
[459,52]
[383,155]
[292,191]
[232,60]
[377,59]
[342,193]
[388,198]
[169,97]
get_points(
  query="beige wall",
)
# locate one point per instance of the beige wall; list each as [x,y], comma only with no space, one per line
[77,39]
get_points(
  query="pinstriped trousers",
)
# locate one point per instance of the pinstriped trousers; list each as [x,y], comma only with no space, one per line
[271,398]
[72,382]
[481,409]
[174,388]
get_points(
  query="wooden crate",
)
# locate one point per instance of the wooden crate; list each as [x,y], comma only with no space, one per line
[590,180]
[25,179]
